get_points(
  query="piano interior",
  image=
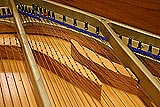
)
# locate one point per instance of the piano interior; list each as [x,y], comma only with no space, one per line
[54,55]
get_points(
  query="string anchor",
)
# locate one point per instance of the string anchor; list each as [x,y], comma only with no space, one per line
[130,42]
[19,6]
[40,10]
[36,7]
[26,8]
[49,13]
[64,18]
[44,10]
[97,30]
[29,10]
[32,11]
[74,21]
[120,36]
[53,15]
[150,48]
[8,11]
[22,7]
[3,11]
[86,26]
[139,45]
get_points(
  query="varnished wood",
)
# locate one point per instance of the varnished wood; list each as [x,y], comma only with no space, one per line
[106,51]
[47,71]
[143,14]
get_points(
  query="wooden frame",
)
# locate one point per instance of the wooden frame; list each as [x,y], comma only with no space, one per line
[146,79]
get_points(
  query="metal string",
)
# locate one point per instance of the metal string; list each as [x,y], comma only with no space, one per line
[64,46]
[105,65]
[49,67]
[17,66]
[67,56]
[17,43]
[59,60]
[32,47]
[69,61]
[98,57]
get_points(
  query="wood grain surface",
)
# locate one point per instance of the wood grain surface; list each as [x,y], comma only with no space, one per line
[143,14]
[8,29]
[63,92]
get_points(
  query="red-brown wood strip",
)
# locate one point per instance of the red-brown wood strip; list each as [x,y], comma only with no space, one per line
[73,77]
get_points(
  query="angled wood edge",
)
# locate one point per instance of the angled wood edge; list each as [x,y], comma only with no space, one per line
[146,80]
[39,89]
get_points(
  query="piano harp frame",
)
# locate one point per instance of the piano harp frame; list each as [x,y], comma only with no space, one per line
[146,80]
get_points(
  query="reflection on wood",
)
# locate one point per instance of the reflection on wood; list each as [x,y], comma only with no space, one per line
[106,75]
[100,48]
[152,66]
[65,85]
[5,28]
[143,14]
[57,68]
[60,33]
[16,89]
[91,43]
[69,75]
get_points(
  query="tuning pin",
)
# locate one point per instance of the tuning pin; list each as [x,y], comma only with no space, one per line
[29,10]
[150,48]
[33,11]
[86,26]
[40,10]
[74,21]
[53,15]
[159,53]
[33,6]
[49,13]
[120,36]
[64,18]
[44,10]
[130,42]
[8,11]
[22,7]
[3,11]
[19,6]
[26,8]
[36,7]
[139,45]
[97,30]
